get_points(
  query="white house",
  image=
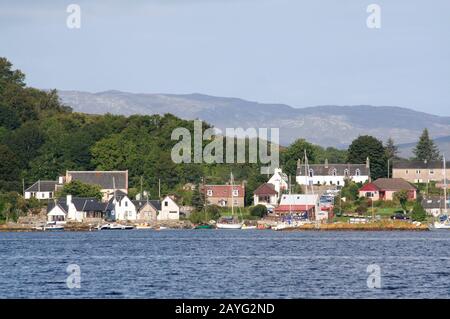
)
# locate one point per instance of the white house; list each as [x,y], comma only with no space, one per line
[332,174]
[266,195]
[41,190]
[279,180]
[169,209]
[76,210]
[122,208]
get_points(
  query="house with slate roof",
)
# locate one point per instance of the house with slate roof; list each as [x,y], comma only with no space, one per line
[42,190]
[76,209]
[420,171]
[109,181]
[332,174]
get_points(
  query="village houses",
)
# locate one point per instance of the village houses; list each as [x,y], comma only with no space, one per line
[332,174]
[420,171]
[109,182]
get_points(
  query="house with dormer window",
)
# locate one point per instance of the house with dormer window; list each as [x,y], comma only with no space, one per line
[332,174]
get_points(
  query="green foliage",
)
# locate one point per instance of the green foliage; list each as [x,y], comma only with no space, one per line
[198,198]
[350,191]
[79,189]
[369,147]
[258,211]
[211,212]
[418,213]
[402,198]
[425,149]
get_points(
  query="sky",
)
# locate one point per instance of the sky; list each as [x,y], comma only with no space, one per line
[301,53]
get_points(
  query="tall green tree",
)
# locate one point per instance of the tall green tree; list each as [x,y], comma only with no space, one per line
[426,149]
[198,198]
[369,147]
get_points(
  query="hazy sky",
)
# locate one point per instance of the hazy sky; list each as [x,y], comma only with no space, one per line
[302,53]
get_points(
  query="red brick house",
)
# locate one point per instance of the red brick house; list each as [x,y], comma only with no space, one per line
[224,195]
[385,188]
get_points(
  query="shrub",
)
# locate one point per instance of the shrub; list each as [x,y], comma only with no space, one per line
[258,211]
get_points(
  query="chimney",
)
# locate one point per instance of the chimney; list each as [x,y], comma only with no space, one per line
[299,163]
[326,163]
[368,162]
[61,180]
[68,200]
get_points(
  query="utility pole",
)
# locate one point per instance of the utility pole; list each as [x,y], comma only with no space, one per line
[142,194]
[159,188]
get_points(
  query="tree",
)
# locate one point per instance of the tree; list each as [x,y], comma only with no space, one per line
[391,149]
[425,149]
[418,213]
[402,197]
[296,151]
[80,189]
[9,169]
[198,198]
[258,211]
[369,147]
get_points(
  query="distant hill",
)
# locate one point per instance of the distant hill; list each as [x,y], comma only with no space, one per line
[406,150]
[324,125]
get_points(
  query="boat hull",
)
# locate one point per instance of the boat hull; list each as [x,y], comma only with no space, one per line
[228,226]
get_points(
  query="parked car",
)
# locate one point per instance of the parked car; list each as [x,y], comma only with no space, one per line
[400,216]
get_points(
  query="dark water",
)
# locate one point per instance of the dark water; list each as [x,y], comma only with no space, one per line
[225,264]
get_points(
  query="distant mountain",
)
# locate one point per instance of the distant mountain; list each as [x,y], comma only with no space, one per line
[325,125]
[406,150]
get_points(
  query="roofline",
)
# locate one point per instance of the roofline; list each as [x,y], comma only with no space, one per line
[126,171]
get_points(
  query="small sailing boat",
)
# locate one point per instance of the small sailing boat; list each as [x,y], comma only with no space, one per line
[230,222]
[444,221]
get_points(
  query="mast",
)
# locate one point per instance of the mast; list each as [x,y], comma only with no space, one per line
[445,186]
[232,194]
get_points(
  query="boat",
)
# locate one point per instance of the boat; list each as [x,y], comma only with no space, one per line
[114,226]
[247,227]
[143,227]
[204,226]
[231,222]
[443,221]
[50,226]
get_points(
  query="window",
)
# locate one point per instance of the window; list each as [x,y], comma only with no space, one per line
[235,202]
[235,192]
[406,172]
[358,172]
[209,192]
[166,203]
[431,171]
[346,173]
[311,173]
[126,204]
[334,172]
[369,194]
[418,171]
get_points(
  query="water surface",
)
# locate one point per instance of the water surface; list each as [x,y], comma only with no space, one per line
[225,264]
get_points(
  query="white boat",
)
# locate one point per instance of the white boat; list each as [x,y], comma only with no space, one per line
[229,225]
[248,227]
[440,225]
[114,226]
[50,227]
[143,227]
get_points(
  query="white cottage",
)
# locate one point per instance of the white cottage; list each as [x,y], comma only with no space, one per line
[279,180]
[332,174]
[169,209]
